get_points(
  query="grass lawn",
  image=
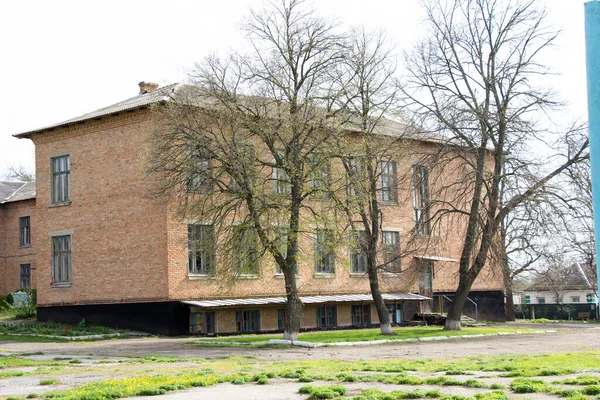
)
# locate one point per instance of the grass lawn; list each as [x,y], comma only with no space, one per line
[523,373]
[361,335]
[38,330]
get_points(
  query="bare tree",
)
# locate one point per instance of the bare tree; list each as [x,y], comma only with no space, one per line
[474,82]
[244,136]
[368,94]
[19,173]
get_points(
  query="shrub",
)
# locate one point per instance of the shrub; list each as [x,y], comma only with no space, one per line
[25,309]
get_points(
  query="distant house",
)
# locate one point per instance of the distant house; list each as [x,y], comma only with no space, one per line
[108,252]
[575,285]
[17,241]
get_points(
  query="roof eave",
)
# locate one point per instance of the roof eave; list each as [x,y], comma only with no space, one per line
[29,134]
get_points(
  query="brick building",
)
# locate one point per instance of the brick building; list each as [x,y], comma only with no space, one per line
[17,241]
[109,252]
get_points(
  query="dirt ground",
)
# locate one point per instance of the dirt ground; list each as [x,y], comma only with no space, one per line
[568,337]
[565,338]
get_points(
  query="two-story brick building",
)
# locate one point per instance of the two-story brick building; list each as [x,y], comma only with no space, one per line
[110,252]
[17,241]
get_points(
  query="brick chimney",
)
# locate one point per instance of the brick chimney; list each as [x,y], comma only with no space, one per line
[147,87]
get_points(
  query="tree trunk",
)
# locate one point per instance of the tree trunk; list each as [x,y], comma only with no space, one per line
[385,325]
[293,307]
[510,305]
[456,308]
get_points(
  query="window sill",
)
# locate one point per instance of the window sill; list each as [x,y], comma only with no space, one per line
[281,276]
[25,246]
[358,275]
[63,204]
[199,277]
[392,274]
[324,275]
[388,202]
[61,284]
[247,276]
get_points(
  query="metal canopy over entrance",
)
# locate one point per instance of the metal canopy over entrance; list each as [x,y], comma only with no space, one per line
[268,301]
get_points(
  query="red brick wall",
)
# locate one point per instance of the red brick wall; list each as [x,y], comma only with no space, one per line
[444,242]
[11,254]
[125,248]
[119,232]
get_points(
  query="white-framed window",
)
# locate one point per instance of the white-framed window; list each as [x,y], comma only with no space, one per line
[388,187]
[390,245]
[324,256]
[421,199]
[541,300]
[358,255]
[575,299]
[201,249]
[61,179]
[61,259]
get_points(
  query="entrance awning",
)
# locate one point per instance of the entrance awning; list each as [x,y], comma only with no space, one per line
[266,301]
[436,258]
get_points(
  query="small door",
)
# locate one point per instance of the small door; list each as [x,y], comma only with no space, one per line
[425,268]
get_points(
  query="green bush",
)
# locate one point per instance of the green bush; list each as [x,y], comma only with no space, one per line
[28,310]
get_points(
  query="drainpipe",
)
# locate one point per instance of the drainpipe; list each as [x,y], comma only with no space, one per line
[592,46]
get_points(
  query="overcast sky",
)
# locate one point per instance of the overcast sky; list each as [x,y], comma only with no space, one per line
[60,59]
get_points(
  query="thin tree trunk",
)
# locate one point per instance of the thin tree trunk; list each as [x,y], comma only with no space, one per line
[510,304]
[293,308]
[385,325]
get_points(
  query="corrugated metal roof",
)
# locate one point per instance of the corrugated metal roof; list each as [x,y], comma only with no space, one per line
[343,298]
[187,94]
[16,191]
[139,101]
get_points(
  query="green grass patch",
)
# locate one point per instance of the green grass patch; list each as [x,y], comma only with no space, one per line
[580,380]
[46,382]
[140,386]
[323,392]
[362,335]
[376,394]
[54,329]
[525,385]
